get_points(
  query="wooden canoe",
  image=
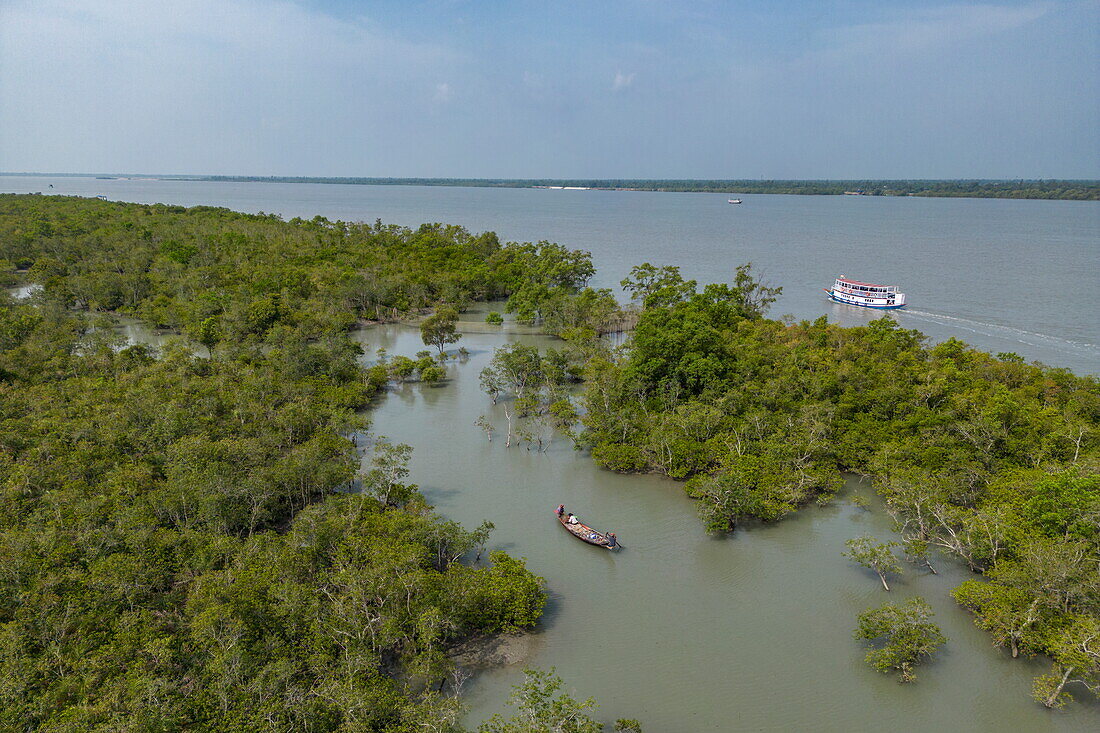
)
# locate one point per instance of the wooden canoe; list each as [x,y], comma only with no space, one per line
[584,533]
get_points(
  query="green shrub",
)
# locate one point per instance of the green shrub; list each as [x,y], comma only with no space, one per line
[619,457]
[432,374]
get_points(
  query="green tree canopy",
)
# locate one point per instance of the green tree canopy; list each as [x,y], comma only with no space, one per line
[906,636]
[439,329]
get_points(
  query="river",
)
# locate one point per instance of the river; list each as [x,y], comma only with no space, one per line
[687,632]
[1004,275]
[684,631]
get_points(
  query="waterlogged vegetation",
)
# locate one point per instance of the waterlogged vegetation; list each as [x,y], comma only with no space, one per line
[180,548]
[536,387]
[905,635]
[187,512]
[543,707]
[223,277]
[985,457]
[874,555]
[176,555]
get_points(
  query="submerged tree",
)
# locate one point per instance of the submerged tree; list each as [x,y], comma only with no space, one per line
[541,707]
[918,552]
[565,416]
[515,368]
[389,469]
[1015,618]
[439,330]
[483,423]
[1076,654]
[401,367]
[878,556]
[909,636]
[432,373]
[491,383]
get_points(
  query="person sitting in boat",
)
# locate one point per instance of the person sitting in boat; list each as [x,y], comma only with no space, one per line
[560,510]
[611,541]
[572,519]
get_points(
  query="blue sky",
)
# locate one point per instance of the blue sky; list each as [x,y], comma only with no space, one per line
[638,88]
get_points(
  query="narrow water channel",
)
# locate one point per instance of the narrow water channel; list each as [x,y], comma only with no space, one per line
[684,631]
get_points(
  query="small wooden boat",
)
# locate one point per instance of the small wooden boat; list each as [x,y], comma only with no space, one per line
[585,533]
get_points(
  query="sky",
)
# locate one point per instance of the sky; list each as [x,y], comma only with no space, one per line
[611,89]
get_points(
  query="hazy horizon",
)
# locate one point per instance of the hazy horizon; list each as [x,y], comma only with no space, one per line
[630,89]
[142,174]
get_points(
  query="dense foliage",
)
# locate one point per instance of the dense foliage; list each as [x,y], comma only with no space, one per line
[538,385]
[220,275]
[180,548]
[177,549]
[553,291]
[983,456]
[1086,190]
[904,636]
[542,707]
[874,555]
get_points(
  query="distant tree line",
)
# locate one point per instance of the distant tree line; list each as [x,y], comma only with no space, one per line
[1076,190]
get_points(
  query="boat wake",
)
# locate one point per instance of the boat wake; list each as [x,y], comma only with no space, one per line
[1020,335]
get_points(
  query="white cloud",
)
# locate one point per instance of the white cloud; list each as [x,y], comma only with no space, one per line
[106,85]
[621,81]
[443,93]
[926,29]
[287,87]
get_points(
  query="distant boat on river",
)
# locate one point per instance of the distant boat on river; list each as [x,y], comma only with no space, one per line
[733,201]
[866,295]
[584,533]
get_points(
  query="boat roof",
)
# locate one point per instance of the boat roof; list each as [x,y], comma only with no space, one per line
[850,281]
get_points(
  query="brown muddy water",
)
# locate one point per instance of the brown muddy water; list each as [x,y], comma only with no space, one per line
[685,631]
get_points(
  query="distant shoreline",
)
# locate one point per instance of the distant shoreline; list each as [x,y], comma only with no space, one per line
[1066,190]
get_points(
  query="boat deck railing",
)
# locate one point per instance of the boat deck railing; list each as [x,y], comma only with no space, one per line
[864,294]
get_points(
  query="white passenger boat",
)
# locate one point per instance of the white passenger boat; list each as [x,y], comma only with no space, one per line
[866,295]
[733,201]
